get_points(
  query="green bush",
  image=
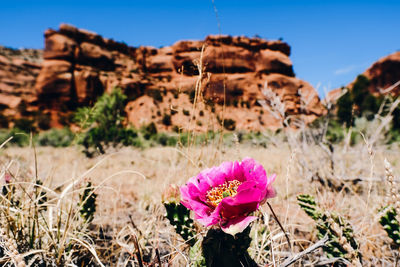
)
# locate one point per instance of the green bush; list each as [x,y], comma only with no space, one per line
[396,118]
[19,137]
[345,109]
[335,132]
[25,125]
[230,124]
[358,101]
[3,121]
[43,121]
[149,130]
[166,120]
[56,138]
[166,140]
[155,94]
[102,125]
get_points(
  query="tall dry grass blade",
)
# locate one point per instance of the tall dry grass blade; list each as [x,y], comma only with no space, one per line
[280,226]
[310,249]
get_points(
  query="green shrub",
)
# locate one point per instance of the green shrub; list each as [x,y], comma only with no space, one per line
[3,121]
[43,121]
[345,109]
[25,125]
[166,140]
[19,137]
[155,94]
[56,138]
[102,124]
[166,120]
[358,101]
[230,124]
[396,119]
[335,132]
[149,130]
[175,128]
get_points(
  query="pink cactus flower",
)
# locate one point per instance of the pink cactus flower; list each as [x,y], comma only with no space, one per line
[7,178]
[227,194]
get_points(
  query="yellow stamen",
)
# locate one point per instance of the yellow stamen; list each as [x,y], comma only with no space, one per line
[217,194]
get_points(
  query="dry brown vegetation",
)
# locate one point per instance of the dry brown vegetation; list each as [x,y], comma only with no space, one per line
[41,224]
[348,180]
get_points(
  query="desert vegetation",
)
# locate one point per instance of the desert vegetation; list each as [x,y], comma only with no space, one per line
[113,205]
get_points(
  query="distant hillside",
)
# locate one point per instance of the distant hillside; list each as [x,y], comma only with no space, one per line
[79,66]
[383,76]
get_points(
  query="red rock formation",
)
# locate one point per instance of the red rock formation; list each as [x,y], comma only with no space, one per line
[385,73]
[80,65]
[384,76]
[18,72]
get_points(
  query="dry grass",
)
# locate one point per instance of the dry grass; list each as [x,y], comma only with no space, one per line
[129,227]
[130,183]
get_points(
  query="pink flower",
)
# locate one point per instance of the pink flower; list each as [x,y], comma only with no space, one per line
[227,194]
[7,178]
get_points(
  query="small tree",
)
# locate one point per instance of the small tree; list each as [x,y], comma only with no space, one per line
[345,109]
[360,90]
[102,124]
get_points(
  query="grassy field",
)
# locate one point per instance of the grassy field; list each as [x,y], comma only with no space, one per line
[336,188]
[345,180]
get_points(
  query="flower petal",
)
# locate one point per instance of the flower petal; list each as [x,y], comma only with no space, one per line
[237,225]
[228,208]
[255,187]
[190,198]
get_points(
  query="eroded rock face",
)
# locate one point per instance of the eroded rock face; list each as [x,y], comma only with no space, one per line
[18,72]
[384,77]
[385,73]
[230,73]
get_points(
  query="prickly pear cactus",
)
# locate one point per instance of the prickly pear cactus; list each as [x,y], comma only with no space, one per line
[179,217]
[88,203]
[307,203]
[391,224]
[342,243]
[221,249]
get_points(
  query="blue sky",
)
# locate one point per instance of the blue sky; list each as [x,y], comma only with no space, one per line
[332,41]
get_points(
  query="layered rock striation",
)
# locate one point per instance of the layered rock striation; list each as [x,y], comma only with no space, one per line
[229,73]
[384,75]
[18,72]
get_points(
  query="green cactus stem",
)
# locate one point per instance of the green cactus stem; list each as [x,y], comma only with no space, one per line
[179,217]
[221,249]
[88,203]
[391,225]
[342,243]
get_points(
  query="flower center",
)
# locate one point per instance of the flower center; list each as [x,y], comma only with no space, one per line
[216,194]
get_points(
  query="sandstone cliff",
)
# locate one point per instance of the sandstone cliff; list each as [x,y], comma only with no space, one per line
[18,72]
[384,77]
[384,74]
[80,65]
